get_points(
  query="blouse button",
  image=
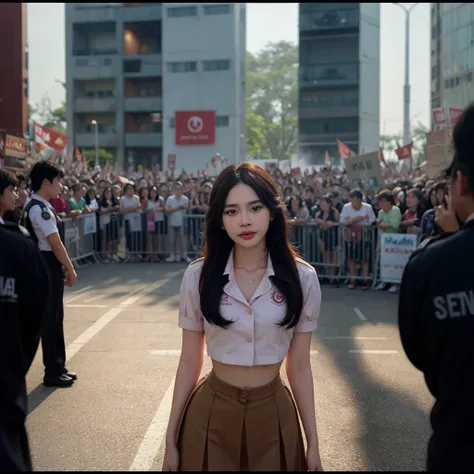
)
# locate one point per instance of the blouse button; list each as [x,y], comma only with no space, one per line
[250,312]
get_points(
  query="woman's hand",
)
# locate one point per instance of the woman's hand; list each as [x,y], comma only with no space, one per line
[313,460]
[171,459]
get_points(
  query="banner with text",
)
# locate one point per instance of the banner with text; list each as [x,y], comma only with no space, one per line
[364,171]
[395,250]
[44,138]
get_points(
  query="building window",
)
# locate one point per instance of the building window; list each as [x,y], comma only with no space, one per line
[182,66]
[326,100]
[181,12]
[216,9]
[217,65]
[132,65]
[222,121]
[171,122]
[334,125]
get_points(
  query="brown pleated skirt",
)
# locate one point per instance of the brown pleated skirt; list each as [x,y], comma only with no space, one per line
[224,428]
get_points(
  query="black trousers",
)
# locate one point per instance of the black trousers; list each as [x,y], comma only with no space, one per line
[52,339]
[14,448]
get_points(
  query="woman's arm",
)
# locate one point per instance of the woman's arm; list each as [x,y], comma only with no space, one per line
[300,376]
[189,369]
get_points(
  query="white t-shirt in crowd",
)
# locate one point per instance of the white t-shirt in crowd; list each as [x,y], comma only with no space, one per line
[130,203]
[366,211]
[176,217]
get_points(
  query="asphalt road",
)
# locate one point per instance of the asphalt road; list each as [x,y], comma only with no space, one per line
[123,342]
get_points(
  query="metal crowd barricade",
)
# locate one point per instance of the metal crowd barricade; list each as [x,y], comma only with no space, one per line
[146,236]
[79,238]
[339,253]
[337,250]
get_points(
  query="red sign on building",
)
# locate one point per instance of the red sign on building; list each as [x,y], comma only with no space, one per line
[195,127]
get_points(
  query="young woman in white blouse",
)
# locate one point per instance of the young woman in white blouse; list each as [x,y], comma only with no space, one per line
[155,209]
[255,303]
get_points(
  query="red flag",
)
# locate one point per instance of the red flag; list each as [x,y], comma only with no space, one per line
[404,152]
[344,151]
[382,157]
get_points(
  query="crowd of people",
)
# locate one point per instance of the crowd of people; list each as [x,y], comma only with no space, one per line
[332,224]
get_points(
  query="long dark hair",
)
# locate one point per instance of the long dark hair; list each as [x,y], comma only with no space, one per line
[218,245]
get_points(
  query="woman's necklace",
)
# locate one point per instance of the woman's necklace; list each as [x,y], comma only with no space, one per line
[250,280]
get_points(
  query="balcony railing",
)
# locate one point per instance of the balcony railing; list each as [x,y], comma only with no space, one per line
[94,51]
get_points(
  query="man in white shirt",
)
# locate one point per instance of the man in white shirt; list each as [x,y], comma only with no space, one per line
[356,219]
[42,224]
[176,208]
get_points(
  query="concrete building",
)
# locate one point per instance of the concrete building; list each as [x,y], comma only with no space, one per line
[159,79]
[339,78]
[14,62]
[452,54]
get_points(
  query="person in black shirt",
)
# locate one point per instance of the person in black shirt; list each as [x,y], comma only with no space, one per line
[24,293]
[436,313]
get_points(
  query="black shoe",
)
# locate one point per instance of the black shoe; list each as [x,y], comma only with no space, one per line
[62,381]
[71,375]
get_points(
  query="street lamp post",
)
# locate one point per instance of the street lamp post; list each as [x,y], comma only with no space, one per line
[406,87]
[96,131]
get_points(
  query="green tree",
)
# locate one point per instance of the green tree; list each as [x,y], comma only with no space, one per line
[105,157]
[418,134]
[47,117]
[272,95]
[389,143]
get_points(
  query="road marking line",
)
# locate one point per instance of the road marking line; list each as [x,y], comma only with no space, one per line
[154,436]
[93,299]
[163,352]
[111,280]
[78,294]
[359,313]
[86,306]
[359,338]
[372,351]
[89,333]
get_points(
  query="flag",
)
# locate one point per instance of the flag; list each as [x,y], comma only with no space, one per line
[344,151]
[382,157]
[404,152]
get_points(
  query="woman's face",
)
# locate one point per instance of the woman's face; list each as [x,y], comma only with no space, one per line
[324,206]
[245,218]
[153,194]
[385,205]
[143,193]
[129,192]
[108,194]
[433,199]
[412,201]
[8,199]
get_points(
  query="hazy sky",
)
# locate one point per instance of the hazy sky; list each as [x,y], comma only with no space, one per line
[265,22]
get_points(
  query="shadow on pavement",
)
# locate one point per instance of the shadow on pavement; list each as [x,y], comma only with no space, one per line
[39,394]
[393,428]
